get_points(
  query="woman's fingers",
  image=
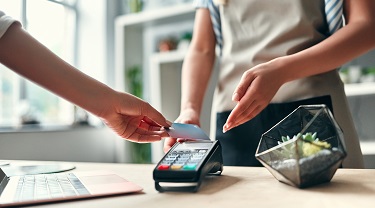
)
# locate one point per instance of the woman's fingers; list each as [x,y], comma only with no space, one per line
[247,115]
[242,86]
[154,116]
[146,136]
[149,125]
[237,115]
[250,105]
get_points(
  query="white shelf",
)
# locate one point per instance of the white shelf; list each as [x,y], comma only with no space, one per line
[136,36]
[360,89]
[172,75]
[168,57]
[147,17]
[368,148]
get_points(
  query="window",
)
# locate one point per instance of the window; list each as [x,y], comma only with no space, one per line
[53,23]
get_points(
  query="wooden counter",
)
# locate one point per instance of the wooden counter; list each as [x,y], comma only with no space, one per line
[236,187]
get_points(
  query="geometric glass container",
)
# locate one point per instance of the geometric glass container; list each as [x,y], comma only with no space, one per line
[305,148]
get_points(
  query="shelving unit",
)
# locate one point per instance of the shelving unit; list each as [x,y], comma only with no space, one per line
[360,89]
[368,147]
[136,40]
[137,35]
[157,16]
[165,70]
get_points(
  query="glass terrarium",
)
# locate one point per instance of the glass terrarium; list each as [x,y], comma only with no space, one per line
[303,149]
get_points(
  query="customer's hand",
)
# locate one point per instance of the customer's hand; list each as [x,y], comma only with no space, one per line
[130,117]
[188,116]
[134,119]
[256,89]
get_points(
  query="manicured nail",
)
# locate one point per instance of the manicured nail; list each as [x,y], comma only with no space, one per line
[226,127]
[235,97]
[169,123]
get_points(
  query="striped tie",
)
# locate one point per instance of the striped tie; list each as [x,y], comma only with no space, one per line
[334,12]
[215,18]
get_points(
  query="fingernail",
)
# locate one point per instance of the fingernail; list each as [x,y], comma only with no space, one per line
[235,97]
[169,123]
[229,124]
[226,127]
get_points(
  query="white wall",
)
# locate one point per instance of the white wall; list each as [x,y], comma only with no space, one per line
[80,144]
[362,108]
[363,114]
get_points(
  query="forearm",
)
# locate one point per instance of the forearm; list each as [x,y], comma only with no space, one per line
[198,63]
[196,73]
[353,40]
[27,57]
[347,44]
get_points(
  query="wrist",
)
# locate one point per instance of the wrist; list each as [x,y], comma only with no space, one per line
[286,68]
[191,107]
[189,115]
[106,102]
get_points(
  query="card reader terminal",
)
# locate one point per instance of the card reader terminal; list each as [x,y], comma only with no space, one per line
[186,164]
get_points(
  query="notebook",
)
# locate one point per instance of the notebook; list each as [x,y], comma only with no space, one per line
[64,186]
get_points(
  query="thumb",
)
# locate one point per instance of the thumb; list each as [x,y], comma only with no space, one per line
[150,112]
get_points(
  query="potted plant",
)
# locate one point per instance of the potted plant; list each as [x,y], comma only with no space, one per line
[303,149]
[140,152]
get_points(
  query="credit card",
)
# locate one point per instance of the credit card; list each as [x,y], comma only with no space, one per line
[187,131]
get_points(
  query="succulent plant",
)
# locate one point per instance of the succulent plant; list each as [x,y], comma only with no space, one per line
[310,144]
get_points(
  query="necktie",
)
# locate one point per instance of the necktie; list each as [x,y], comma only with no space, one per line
[334,12]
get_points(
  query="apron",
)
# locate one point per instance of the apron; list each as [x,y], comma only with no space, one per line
[257,31]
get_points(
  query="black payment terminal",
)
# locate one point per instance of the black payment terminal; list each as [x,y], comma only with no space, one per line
[186,164]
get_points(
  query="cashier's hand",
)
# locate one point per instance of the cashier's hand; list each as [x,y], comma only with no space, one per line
[188,116]
[134,119]
[255,91]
